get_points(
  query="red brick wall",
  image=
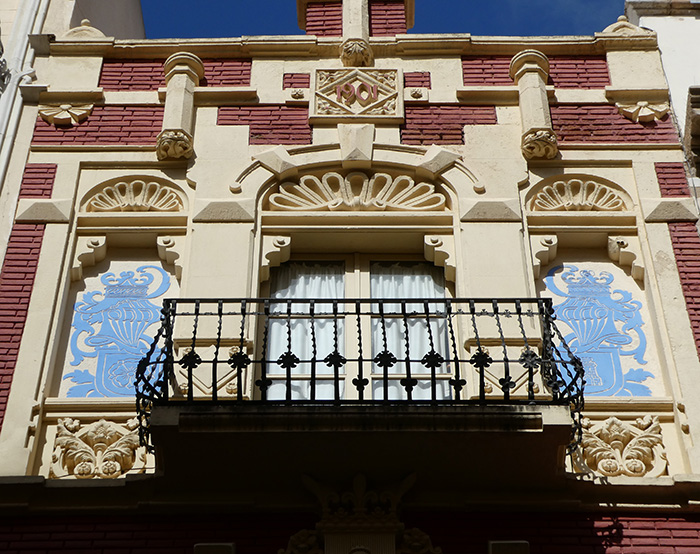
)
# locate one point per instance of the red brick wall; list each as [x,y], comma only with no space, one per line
[417,79]
[17,276]
[270,124]
[296,80]
[564,71]
[37,181]
[686,247]
[672,180]
[454,532]
[148,74]
[603,123]
[106,125]
[443,123]
[324,19]
[387,17]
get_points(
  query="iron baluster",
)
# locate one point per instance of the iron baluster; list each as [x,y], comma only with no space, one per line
[480,359]
[408,383]
[360,381]
[264,382]
[214,379]
[384,359]
[457,382]
[313,350]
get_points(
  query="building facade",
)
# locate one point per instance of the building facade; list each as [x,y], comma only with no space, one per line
[340,292]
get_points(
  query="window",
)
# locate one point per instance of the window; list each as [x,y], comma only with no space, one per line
[306,340]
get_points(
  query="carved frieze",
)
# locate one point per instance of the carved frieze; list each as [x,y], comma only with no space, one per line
[358,94]
[577,194]
[101,450]
[65,114]
[135,195]
[615,448]
[356,191]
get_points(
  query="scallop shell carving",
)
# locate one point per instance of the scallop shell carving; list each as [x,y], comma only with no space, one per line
[357,192]
[135,196]
[578,195]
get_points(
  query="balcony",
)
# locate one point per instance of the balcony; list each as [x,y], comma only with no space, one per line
[384,387]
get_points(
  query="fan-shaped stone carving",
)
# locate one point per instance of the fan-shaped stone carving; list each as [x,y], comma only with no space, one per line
[138,195]
[357,192]
[577,194]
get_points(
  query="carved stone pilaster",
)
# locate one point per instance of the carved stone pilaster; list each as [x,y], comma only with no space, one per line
[529,69]
[183,71]
[275,251]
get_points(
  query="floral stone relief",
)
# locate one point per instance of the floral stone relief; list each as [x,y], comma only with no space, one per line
[614,448]
[113,325]
[600,313]
[102,450]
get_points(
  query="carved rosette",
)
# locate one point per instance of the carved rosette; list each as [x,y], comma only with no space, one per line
[99,450]
[173,144]
[356,192]
[65,114]
[540,143]
[614,448]
[356,52]
[642,111]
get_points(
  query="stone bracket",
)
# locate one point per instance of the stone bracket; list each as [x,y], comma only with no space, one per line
[275,251]
[356,144]
[544,250]
[626,251]
[440,249]
[170,251]
[88,252]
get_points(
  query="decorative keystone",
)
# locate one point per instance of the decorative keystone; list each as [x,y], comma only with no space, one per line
[356,52]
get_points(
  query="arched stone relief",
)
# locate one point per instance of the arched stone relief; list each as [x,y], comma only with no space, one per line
[357,191]
[135,194]
[578,193]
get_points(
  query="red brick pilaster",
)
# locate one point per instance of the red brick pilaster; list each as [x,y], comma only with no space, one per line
[686,247]
[672,179]
[324,19]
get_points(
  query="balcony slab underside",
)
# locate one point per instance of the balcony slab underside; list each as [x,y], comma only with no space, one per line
[455,451]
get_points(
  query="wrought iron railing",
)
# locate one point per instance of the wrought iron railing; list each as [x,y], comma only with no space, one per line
[335,352]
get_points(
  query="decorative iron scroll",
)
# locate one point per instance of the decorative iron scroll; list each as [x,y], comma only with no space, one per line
[577,194]
[427,351]
[136,195]
[357,192]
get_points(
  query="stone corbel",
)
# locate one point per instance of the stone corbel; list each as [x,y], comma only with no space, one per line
[356,52]
[544,250]
[275,251]
[170,251]
[440,249]
[530,69]
[626,251]
[183,71]
[88,252]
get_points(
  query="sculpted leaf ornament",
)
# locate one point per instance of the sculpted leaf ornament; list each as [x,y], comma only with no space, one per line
[357,192]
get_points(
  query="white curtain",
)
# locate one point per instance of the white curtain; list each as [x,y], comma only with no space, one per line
[305,280]
[408,280]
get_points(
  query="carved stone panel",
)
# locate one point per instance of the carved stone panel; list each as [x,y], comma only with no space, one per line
[358,94]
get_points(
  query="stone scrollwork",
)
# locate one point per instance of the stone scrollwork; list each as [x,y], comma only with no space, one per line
[135,195]
[356,192]
[275,251]
[577,194]
[356,52]
[440,249]
[101,450]
[65,114]
[88,252]
[627,252]
[173,144]
[541,143]
[615,448]
[544,250]
[643,111]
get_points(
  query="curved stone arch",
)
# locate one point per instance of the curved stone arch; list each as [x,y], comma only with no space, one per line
[577,192]
[135,193]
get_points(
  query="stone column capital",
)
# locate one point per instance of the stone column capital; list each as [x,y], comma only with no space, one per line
[184,63]
[529,61]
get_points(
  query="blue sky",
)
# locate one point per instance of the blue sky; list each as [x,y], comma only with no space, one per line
[232,18]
